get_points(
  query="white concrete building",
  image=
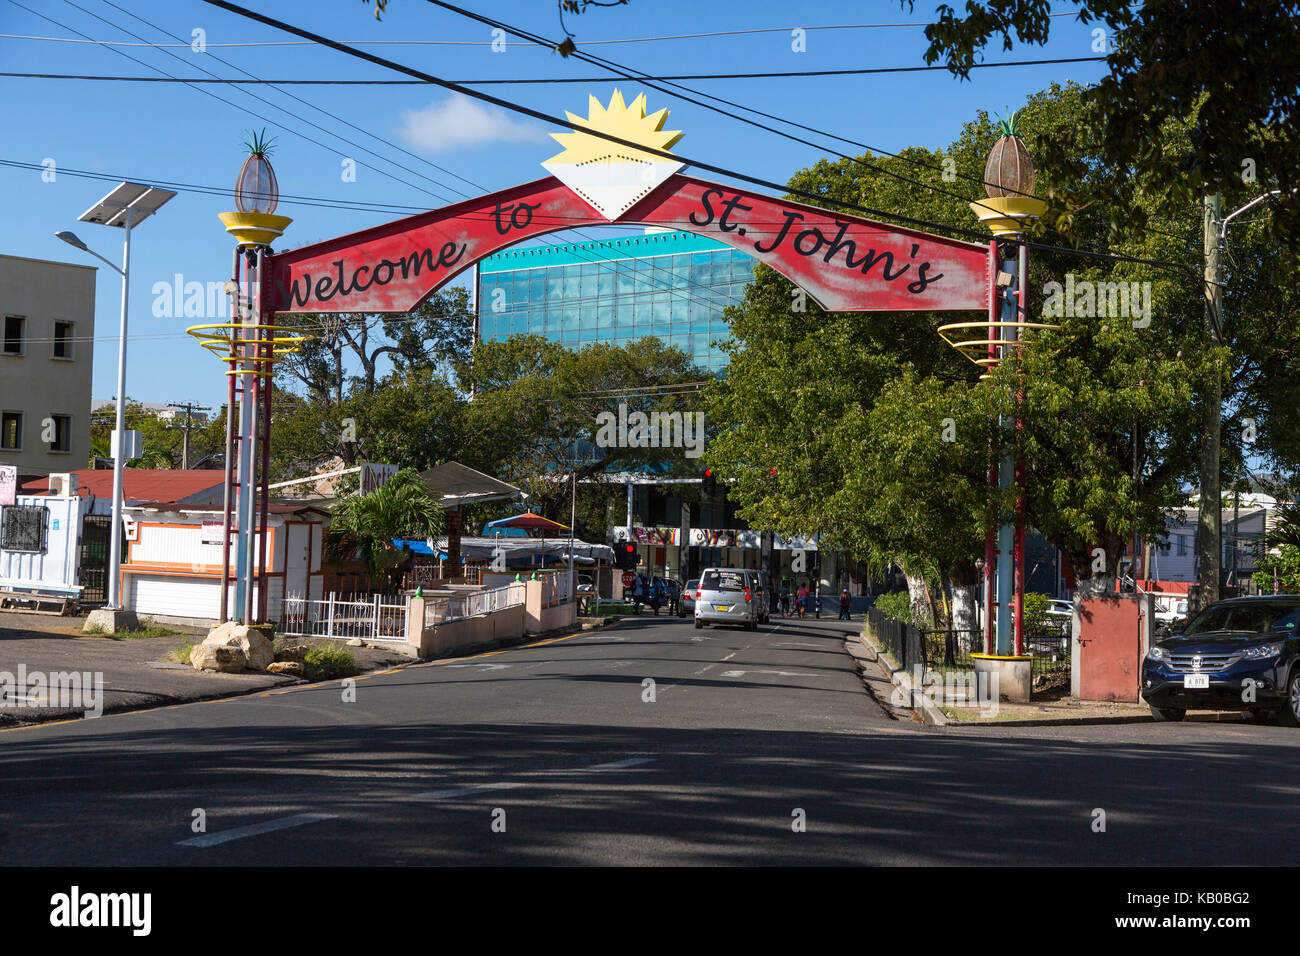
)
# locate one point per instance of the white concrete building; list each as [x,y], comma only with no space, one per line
[47,330]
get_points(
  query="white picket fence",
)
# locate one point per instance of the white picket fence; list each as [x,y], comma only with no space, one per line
[381,619]
[372,620]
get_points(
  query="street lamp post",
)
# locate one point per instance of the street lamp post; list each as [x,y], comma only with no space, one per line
[126,206]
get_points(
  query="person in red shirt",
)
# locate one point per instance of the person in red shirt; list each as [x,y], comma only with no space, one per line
[801,599]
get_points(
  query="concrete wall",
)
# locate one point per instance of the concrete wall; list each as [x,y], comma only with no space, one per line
[442,640]
[35,382]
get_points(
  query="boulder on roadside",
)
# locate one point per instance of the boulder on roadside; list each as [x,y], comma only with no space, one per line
[293,668]
[356,642]
[222,658]
[294,652]
[258,651]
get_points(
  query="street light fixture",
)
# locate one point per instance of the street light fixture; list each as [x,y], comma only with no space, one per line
[127,205]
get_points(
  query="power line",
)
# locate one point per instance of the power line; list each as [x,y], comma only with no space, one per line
[680,36]
[640,77]
[667,286]
[791,74]
[710,167]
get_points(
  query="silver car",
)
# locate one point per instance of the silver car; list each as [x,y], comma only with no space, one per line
[727,596]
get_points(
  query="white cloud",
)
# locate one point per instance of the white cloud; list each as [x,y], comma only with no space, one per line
[459,122]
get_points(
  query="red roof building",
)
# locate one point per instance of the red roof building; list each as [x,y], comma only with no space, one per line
[166,485]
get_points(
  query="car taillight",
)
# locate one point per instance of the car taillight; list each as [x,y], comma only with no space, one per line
[697,595]
[746,594]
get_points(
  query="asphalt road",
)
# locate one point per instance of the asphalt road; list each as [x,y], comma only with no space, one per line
[747,734]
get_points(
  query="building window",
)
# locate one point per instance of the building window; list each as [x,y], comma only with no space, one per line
[63,339]
[61,440]
[22,528]
[11,431]
[1182,545]
[13,341]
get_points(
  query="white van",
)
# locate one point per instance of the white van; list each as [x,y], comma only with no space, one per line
[728,596]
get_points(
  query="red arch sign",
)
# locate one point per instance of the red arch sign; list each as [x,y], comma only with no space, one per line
[846,263]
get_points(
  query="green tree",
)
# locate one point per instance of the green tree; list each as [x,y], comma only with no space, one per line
[852,408]
[365,525]
[1229,70]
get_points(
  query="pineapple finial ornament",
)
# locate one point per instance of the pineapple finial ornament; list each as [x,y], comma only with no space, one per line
[256,189]
[1009,172]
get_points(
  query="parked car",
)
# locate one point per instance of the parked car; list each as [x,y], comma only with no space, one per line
[687,603]
[725,596]
[1239,654]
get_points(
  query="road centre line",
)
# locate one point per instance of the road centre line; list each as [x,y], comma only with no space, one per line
[619,764]
[256,829]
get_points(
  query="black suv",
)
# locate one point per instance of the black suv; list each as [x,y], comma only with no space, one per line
[1239,654]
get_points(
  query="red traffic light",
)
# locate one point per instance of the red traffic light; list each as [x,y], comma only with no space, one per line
[773,471]
[708,472]
[629,548]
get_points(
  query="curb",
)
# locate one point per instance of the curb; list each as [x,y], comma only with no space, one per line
[919,704]
[931,714]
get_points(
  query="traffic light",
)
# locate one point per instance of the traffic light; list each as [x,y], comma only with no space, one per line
[626,556]
[709,484]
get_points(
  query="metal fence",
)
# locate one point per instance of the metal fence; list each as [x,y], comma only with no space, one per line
[557,588]
[377,619]
[455,607]
[951,649]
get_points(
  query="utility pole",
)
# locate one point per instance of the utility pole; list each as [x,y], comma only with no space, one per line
[1209,549]
[190,408]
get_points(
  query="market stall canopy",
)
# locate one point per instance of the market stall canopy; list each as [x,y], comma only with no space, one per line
[480,549]
[454,484]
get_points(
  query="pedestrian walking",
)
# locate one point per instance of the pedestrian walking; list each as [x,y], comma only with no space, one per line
[785,600]
[801,599]
[844,605]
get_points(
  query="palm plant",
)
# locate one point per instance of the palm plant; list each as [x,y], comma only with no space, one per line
[365,525]
[1287,529]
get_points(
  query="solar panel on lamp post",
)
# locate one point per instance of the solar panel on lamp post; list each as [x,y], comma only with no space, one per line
[126,206]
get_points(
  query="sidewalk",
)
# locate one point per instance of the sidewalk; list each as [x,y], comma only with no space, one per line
[1052,709]
[132,671]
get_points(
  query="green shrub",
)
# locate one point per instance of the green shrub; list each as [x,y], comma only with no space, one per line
[327,662]
[1037,620]
[898,605]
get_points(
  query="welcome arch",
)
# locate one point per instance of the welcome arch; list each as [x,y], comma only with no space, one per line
[846,263]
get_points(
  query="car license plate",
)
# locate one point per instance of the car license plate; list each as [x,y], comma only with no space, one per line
[722,607]
[1197,681]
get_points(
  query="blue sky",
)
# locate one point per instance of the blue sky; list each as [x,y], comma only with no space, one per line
[173,133]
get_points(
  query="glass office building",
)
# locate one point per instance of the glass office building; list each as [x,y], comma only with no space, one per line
[672,285]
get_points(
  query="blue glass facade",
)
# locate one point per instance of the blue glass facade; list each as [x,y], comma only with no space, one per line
[672,285]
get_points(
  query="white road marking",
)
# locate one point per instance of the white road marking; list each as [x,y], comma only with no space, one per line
[777,673]
[704,669]
[463,791]
[730,656]
[486,667]
[733,673]
[256,829]
[620,764]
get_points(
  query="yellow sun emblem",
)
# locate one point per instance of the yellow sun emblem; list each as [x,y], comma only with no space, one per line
[628,122]
[612,177]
